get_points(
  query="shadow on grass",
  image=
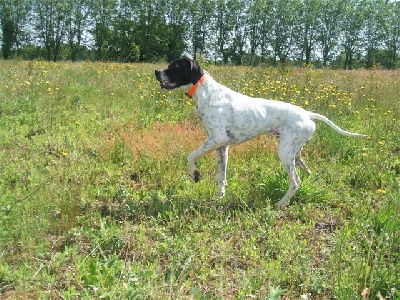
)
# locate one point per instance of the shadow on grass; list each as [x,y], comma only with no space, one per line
[164,207]
[177,201]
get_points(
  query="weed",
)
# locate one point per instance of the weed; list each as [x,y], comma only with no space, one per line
[96,202]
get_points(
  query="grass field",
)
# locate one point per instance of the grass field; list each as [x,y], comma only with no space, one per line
[96,201]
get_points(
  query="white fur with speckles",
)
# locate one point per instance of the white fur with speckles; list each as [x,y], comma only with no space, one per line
[233,118]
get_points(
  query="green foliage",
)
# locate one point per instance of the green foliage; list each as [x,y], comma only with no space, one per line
[95,200]
[340,34]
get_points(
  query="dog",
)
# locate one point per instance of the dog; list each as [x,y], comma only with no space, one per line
[233,118]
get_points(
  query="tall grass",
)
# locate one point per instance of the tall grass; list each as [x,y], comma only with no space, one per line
[96,202]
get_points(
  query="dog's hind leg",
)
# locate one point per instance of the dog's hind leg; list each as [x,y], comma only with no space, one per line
[294,181]
[222,158]
[289,148]
[300,163]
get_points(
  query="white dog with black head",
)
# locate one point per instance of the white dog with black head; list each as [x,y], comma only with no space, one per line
[233,118]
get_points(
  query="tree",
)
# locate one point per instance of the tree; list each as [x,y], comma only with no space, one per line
[124,33]
[8,27]
[254,20]
[103,14]
[230,31]
[13,18]
[267,26]
[176,28]
[351,27]
[199,20]
[391,29]
[286,28]
[356,32]
[374,11]
[309,27]
[76,20]
[51,25]
[175,41]
[329,27]
[237,10]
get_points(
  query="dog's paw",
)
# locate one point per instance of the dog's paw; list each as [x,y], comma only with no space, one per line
[280,205]
[196,176]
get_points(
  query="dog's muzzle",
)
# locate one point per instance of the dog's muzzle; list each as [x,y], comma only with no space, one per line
[165,82]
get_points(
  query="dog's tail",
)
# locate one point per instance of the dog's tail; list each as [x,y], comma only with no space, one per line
[315,116]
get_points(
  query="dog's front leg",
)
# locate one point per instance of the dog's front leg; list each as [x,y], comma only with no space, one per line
[192,159]
[210,145]
[222,158]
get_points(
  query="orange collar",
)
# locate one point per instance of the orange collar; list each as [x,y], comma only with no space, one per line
[194,87]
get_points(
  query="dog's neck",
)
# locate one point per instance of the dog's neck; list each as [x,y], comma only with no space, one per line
[194,87]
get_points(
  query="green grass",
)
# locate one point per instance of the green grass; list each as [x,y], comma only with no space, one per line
[96,201]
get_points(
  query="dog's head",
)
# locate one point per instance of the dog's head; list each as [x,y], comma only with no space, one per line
[179,73]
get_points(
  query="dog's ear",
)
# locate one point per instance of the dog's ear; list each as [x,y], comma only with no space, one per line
[195,71]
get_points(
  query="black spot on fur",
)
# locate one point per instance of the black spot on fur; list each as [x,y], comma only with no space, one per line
[230,135]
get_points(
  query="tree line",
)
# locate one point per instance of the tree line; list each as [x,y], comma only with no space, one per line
[339,33]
